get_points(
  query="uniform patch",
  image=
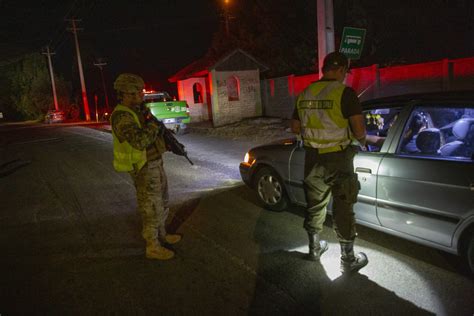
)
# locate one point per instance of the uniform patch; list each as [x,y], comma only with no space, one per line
[317,104]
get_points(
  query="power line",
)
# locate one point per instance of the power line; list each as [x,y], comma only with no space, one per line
[11,24]
[61,31]
[72,12]
[17,57]
[70,9]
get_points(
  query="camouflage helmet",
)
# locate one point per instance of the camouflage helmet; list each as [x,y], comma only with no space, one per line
[128,83]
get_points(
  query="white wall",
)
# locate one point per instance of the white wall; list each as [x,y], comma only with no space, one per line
[198,111]
[249,103]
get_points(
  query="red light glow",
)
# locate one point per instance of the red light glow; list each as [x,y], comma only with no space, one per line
[361,78]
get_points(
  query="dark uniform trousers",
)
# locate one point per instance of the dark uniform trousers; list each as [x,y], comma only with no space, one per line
[326,174]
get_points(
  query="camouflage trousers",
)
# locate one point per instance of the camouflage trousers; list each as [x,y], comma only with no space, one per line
[152,199]
[325,175]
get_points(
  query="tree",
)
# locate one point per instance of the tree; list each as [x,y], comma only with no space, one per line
[283,33]
[280,33]
[27,88]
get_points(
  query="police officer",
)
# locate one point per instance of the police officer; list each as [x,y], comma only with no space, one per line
[328,115]
[138,149]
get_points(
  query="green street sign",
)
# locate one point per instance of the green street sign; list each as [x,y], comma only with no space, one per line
[352,42]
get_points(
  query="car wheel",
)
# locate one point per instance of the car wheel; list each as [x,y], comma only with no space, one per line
[470,253]
[180,131]
[270,190]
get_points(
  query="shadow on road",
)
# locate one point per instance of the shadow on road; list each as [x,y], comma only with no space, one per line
[288,284]
[428,255]
[180,213]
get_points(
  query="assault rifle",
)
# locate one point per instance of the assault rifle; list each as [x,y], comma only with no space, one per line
[172,144]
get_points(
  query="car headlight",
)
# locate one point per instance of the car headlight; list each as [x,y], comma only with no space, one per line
[249,159]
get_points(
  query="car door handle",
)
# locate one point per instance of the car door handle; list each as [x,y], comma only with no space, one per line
[472,187]
[363,170]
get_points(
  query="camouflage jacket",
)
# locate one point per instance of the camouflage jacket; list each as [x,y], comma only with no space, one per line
[148,137]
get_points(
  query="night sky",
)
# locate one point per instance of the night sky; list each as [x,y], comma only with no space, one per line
[152,38]
[158,38]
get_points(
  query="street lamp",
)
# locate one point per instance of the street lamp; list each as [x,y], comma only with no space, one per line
[226,16]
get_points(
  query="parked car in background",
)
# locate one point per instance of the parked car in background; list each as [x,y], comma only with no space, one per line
[55,116]
[174,114]
[419,185]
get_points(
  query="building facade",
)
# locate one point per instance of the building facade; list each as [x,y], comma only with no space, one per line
[222,90]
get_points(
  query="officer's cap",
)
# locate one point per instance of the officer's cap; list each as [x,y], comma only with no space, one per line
[335,59]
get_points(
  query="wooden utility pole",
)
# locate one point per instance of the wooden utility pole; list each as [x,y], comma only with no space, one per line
[325,14]
[74,30]
[55,97]
[101,64]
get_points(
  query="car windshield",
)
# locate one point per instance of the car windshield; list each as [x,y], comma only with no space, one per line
[379,121]
[157,97]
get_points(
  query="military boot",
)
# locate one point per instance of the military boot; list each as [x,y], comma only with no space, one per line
[172,239]
[155,251]
[351,262]
[316,247]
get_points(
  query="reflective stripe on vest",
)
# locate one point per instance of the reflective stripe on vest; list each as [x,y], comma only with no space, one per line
[127,158]
[323,125]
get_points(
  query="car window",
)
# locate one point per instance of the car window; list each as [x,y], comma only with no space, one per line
[378,123]
[439,131]
[157,97]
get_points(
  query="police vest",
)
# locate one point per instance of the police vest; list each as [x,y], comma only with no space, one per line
[322,124]
[127,158]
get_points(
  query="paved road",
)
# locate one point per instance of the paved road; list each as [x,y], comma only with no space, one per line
[71,242]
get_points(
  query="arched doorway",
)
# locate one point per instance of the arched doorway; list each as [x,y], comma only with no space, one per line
[197,93]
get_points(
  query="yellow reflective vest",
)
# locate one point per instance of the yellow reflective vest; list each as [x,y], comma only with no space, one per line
[127,158]
[322,124]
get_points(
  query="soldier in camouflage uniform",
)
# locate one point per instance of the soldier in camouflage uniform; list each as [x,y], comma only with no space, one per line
[138,149]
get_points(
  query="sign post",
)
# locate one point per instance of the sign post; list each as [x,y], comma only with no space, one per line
[352,42]
[325,17]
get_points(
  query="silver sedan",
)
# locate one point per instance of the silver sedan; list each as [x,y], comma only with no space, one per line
[419,185]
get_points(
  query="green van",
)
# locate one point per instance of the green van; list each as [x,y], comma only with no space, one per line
[174,114]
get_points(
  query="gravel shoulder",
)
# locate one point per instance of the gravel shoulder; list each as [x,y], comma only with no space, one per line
[259,129]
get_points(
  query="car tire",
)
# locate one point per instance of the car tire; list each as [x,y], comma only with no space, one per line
[470,253]
[180,131]
[270,189]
